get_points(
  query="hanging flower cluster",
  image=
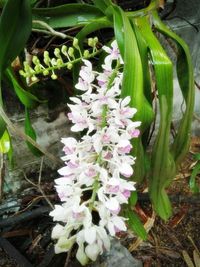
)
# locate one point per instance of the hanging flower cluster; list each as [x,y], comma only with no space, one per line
[93,183]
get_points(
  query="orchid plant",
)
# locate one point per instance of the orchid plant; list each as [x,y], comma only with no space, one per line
[100,163]
[146,64]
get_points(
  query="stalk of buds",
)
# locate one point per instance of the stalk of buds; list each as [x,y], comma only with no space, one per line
[93,184]
[63,58]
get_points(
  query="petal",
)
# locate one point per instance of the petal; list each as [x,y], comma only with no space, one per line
[119,223]
[90,235]
[57,231]
[81,256]
[126,170]
[92,251]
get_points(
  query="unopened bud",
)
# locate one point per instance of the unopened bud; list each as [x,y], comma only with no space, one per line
[57,52]
[71,51]
[45,72]
[75,42]
[35,60]
[69,66]
[91,42]
[86,53]
[54,76]
[64,49]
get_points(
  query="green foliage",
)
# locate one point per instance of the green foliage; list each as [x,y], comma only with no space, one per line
[144,58]
[15,28]
[193,183]
[29,130]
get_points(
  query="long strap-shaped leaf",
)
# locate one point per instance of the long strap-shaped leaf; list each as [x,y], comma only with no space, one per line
[186,80]
[67,15]
[15,28]
[163,165]
[133,82]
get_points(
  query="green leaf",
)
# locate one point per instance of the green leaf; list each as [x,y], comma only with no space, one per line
[133,83]
[67,15]
[197,156]
[102,4]
[135,224]
[26,98]
[5,143]
[133,199]
[186,80]
[29,130]
[15,28]
[163,165]
[193,183]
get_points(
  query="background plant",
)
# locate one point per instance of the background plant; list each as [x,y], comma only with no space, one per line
[144,58]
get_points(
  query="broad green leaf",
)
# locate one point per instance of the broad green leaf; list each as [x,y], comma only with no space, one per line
[102,4]
[27,99]
[194,186]
[15,28]
[135,224]
[29,130]
[143,50]
[186,80]
[5,143]
[163,165]
[133,83]
[68,15]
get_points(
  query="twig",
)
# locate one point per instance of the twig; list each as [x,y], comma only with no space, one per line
[39,184]
[67,259]
[50,30]
[25,137]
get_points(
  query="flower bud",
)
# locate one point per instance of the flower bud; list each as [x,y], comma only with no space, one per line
[54,76]
[75,43]
[69,66]
[35,60]
[91,42]
[57,52]
[45,72]
[64,49]
[71,51]
[46,58]
[86,53]
[95,40]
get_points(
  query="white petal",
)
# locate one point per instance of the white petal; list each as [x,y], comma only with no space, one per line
[126,170]
[119,223]
[92,251]
[65,171]
[81,256]
[90,235]
[125,101]
[57,231]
